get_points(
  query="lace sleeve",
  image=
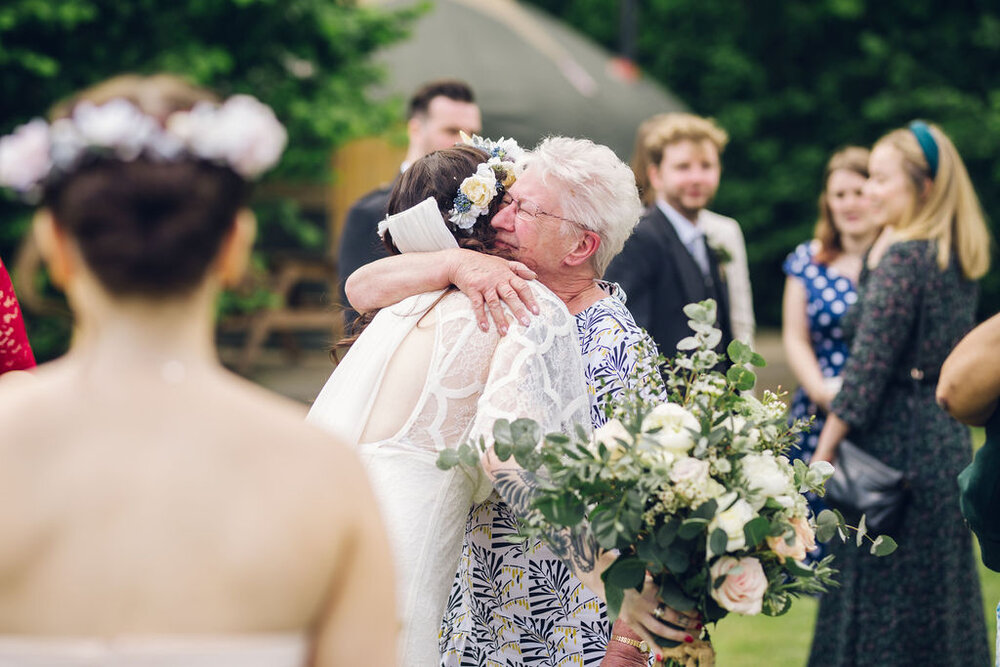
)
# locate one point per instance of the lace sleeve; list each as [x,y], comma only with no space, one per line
[536,372]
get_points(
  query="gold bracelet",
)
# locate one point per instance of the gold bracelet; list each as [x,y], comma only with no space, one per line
[641,645]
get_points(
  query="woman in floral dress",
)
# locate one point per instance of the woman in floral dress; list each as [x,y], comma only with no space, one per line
[821,286]
[922,605]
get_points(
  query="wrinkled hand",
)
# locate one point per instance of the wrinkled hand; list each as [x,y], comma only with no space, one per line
[637,611]
[620,654]
[490,282]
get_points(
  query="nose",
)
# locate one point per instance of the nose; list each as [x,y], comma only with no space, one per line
[504,218]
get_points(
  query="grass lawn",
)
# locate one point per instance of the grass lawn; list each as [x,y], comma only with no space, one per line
[761,641]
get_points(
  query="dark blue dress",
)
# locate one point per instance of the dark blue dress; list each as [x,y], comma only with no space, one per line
[828,296]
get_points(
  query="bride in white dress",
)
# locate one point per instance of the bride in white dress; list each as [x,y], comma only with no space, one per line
[157,510]
[423,377]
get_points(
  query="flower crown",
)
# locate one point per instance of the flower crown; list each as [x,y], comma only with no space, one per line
[491,179]
[242,134]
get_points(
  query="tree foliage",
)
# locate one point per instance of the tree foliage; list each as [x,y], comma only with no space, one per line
[791,81]
[308,59]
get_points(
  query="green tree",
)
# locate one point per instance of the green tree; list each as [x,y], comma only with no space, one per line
[308,59]
[792,81]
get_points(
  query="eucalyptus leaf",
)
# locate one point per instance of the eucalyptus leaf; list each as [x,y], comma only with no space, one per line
[706,510]
[502,434]
[666,533]
[689,343]
[677,559]
[739,352]
[718,541]
[672,596]
[468,455]
[447,459]
[883,546]
[614,596]
[691,527]
[525,433]
[626,572]
[756,530]
[826,525]
[862,531]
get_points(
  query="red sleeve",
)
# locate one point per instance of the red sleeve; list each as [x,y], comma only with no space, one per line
[15,353]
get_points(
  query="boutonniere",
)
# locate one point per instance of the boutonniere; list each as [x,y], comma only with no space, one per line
[722,254]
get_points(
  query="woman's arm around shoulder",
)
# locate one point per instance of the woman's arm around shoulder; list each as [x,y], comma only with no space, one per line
[969,385]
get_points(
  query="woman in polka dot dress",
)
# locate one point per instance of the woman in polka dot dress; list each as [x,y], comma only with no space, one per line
[822,275]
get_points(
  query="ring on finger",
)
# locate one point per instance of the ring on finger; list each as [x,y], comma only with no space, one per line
[658,613]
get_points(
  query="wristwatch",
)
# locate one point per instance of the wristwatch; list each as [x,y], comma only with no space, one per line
[639,644]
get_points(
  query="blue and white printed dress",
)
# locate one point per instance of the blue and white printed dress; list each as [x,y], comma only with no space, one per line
[828,297]
[517,604]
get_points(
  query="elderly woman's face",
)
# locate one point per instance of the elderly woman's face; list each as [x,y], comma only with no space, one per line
[531,226]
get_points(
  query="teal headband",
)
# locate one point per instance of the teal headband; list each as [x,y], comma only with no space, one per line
[927,144]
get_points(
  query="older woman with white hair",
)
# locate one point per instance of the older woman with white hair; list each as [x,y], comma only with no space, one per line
[564,219]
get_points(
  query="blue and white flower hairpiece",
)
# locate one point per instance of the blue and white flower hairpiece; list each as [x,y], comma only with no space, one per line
[491,180]
[242,134]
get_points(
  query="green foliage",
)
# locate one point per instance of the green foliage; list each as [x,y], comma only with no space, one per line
[793,81]
[308,59]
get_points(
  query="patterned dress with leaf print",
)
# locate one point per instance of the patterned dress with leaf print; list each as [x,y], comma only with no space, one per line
[515,604]
[921,605]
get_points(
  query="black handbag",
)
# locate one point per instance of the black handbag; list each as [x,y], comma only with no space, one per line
[861,484]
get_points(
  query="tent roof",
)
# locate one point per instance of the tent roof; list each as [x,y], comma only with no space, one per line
[532,75]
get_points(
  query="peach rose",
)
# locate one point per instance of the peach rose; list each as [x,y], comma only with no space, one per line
[742,592]
[804,542]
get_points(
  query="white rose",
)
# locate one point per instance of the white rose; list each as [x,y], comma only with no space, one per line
[689,470]
[766,478]
[481,187]
[741,592]
[117,124]
[676,425]
[24,156]
[732,520]
[744,438]
[608,435]
[252,139]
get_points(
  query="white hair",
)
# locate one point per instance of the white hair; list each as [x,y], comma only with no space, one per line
[595,189]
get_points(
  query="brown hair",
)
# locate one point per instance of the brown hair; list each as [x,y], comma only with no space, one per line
[439,175]
[668,129]
[850,158]
[453,89]
[146,228]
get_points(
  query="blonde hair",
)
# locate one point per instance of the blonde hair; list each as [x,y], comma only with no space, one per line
[158,95]
[666,129]
[949,212]
[849,158]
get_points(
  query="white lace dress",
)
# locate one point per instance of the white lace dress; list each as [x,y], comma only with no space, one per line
[472,379]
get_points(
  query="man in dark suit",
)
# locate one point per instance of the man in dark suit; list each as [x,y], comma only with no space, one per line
[438,112]
[668,263]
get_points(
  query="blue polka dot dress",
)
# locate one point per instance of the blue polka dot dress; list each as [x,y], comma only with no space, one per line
[828,296]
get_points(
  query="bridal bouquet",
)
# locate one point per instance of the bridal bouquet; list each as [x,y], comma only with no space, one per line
[688,480]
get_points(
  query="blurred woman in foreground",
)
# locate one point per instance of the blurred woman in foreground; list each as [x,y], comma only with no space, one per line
[159,510]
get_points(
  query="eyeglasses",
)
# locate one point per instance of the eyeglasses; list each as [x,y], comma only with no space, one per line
[527,210]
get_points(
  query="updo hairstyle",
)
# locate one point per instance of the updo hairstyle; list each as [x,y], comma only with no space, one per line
[146,228]
[439,175]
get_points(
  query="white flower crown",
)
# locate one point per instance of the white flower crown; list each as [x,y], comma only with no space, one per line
[491,179]
[242,133]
